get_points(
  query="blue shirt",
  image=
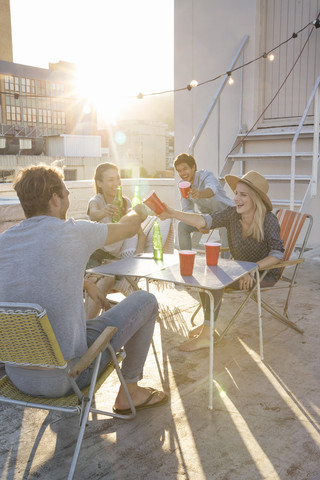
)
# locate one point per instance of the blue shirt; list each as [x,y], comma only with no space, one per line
[204,179]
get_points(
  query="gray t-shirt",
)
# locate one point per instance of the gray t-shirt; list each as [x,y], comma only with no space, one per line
[43,260]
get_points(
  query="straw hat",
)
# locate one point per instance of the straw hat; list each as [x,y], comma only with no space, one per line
[254,180]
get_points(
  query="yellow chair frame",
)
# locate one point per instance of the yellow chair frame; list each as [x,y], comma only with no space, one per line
[27,340]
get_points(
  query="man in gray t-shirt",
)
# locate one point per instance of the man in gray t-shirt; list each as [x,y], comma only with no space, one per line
[43,260]
[206,196]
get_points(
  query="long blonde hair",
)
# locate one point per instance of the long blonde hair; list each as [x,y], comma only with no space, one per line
[256,228]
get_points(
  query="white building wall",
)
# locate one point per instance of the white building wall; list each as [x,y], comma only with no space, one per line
[207,36]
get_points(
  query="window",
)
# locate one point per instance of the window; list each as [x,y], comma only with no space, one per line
[25,143]
[70,175]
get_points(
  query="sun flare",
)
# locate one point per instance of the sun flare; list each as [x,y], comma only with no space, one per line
[102,93]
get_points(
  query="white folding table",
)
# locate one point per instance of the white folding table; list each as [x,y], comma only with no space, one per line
[204,279]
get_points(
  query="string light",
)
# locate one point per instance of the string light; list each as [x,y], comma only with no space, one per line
[269,56]
[192,85]
[230,79]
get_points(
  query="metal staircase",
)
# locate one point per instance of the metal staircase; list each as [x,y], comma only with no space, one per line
[287,156]
[269,152]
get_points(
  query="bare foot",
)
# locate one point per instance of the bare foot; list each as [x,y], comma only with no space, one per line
[195,331]
[139,396]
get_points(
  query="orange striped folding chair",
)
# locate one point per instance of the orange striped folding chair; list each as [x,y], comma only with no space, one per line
[293,225]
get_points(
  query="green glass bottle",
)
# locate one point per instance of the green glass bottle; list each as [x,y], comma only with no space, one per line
[118,202]
[157,242]
[136,197]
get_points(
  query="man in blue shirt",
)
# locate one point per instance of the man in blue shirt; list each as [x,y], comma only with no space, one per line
[206,195]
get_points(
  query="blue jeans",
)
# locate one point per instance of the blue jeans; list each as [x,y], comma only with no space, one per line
[184,235]
[134,317]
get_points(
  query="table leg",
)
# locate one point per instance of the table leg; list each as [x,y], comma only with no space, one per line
[210,406]
[259,313]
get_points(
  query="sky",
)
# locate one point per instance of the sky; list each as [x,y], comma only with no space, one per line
[128,44]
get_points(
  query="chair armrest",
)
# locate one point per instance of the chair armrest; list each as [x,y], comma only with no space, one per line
[287,263]
[98,346]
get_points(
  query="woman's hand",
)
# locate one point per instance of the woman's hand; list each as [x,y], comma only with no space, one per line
[246,282]
[95,293]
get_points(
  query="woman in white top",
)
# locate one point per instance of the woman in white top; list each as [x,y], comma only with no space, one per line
[102,209]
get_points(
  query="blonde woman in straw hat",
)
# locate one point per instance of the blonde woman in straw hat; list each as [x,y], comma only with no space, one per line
[253,236]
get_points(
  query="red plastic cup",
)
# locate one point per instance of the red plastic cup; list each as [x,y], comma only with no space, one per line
[212,253]
[184,188]
[186,262]
[154,202]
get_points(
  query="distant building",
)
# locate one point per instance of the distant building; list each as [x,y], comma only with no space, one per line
[42,120]
[140,147]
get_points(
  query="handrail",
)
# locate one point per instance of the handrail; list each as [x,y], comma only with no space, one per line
[216,97]
[314,178]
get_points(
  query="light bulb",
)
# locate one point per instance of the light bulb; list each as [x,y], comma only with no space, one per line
[270,57]
[230,80]
[192,84]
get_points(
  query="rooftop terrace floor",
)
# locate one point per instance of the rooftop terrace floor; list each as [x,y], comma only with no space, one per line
[266,418]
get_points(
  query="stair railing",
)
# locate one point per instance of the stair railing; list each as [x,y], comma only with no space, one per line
[315,96]
[216,98]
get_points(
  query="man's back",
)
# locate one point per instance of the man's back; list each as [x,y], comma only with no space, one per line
[42,260]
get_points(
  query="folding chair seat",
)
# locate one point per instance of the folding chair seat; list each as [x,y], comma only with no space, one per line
[292,226]
[27,340]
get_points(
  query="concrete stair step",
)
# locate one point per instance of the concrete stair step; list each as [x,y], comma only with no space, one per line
[244,156]
[286,132]
[298,178]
